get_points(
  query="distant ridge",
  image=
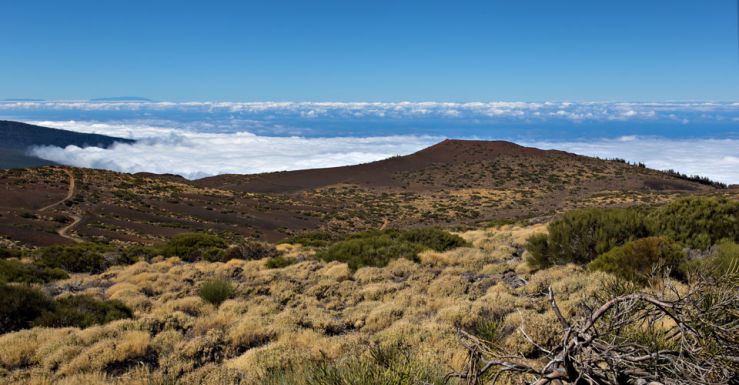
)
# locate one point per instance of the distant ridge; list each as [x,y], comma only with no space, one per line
[17,137]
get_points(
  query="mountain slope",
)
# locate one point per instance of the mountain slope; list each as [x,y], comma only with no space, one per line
[17,137]
[453,183]
[461,163]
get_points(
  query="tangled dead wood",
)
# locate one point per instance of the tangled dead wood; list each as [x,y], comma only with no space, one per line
[634,338]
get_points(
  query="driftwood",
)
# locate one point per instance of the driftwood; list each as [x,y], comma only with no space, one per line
[699,334]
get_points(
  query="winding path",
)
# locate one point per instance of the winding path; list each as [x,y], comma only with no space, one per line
[70,192]
[75,218]
[63,231]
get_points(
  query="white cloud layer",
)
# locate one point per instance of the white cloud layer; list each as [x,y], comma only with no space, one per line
[717,159]
[519,111]
[194,154]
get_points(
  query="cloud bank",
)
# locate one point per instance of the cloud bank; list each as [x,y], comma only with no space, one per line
[717,159]
[683,112]
[197,155]
[194,154]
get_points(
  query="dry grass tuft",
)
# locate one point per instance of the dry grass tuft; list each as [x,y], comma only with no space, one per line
[303,314]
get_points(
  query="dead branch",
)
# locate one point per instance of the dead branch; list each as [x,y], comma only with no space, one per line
[699,345]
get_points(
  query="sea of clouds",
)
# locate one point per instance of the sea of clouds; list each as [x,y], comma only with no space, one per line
[197,139]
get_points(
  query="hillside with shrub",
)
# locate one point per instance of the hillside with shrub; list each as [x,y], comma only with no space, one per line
[392,306]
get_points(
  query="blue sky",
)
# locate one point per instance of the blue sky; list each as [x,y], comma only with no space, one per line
[371,51]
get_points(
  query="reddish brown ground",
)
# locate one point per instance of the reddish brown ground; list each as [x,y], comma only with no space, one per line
[452,183]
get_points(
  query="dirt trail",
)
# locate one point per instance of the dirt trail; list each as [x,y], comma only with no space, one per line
[70,192]
[63,231]
[384,224]
[75,218]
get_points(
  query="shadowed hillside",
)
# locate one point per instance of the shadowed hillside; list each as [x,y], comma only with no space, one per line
[17,137]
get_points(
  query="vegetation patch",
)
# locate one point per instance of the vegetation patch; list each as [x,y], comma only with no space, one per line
[216,291]
[580,236]
[378,248]
[16,271]
[313,238]
[23,306]
[697,222]
[638,260]
[279,262]
[192,247]
[78,258]
[82,311]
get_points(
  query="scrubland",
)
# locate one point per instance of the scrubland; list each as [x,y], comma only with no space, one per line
[393,306]
[303,323]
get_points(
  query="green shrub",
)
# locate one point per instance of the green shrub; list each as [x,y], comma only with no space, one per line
[579,236]
[16,271]
[697,222]
[8,253]
[583,234]
[82,311]
[78,258]
[279,262]
[216,291]
[637,260]
[192,247]
[313,239]
[24,306]
[20,306]
[432,238]
[135,253]
[724,261]
[377,248]
[538,248]
[375,251]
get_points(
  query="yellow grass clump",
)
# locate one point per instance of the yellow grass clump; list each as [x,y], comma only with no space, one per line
[286,318]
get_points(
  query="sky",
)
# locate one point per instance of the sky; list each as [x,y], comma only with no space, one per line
[256,86]
[574,50]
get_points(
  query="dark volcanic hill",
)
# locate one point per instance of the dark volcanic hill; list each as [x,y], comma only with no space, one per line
[383,173]
[17,137]
[450,163]
[453,183]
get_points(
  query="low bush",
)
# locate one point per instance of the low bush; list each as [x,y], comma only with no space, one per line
[78,258]
[637,260]
[313,239]
[279,262]
[16,271]
[375,251]
[378,248]
[23,306]
[538,248]
[723,261]
[192,247]
[20,306]
[697,222]
[432,238]
[216,291]
[8,253]
[579,236]
[82,311]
